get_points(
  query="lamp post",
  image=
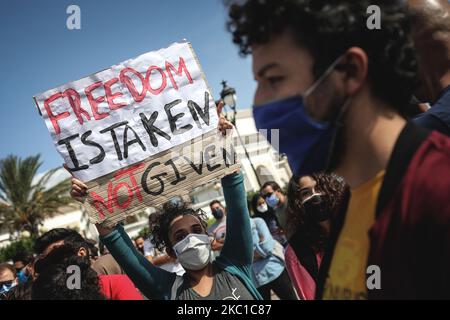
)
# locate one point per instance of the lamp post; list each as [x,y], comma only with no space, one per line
[228,96]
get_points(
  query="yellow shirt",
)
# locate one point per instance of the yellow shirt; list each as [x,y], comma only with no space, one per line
[347,274]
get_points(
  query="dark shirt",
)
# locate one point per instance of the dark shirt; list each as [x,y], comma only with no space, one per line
[438,116]
[226,286]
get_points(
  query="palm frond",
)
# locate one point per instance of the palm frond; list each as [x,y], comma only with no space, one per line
[27,204]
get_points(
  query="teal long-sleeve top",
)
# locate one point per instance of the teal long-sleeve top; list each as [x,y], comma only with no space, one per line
[236,256]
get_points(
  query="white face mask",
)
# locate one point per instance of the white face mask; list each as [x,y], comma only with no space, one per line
[262,208]
[194,251]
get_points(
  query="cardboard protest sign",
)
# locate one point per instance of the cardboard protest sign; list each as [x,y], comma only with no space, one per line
[139,132]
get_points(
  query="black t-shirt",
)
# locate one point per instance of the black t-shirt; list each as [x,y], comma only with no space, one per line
[226,286]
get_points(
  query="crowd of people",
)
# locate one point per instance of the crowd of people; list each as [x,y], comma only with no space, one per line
[181,242]
[363,115]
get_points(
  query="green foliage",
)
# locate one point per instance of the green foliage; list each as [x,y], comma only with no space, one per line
[25,204]
[145,232]
[23,245]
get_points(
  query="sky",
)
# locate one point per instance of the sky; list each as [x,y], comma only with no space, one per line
[38,53]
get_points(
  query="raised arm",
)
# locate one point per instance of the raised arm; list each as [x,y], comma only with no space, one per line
[155,283]
[238,246]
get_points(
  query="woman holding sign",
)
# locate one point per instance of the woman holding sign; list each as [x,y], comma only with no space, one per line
[182,230]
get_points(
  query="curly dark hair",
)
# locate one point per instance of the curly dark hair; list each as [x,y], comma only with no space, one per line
[170,210]
[51,284]
[312,233]
[327,28]
[58,234]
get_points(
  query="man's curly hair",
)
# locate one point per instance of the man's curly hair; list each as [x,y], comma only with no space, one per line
[170,210]
[327,28]
[311,233]
[51,284]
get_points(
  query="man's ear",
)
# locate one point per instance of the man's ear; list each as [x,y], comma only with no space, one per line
[356,68]
[82,252]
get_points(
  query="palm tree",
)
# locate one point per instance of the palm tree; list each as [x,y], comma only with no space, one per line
[24,204]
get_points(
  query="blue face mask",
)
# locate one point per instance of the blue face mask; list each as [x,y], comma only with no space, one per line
[22,276]
[6,287]
[218,214]
[306,142]
[272,200]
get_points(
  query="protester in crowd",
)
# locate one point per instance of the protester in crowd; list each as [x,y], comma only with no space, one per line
[57,237]
[22,291]
[139,243]
[431,35]
[103,249]
[269,272]
[263,211]
[106,264]
[336,91]
[55,270]
[20,260]
[182,231]
[218,229]
[22,263]
[275,199]
[113,286]
[93,250]
[8,279]
[53,279]
[157,257]
[312,202]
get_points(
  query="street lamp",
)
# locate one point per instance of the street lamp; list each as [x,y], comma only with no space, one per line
[228,96]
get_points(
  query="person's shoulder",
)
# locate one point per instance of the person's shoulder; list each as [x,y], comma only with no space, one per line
[120,287]
[434,155]
[212,227]
[105,259]
[102,260]
[428,176]
[105,281]
[258,221]
[114,280]
[110,277]
[432,120]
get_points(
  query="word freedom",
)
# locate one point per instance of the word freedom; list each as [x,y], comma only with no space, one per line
[83,114]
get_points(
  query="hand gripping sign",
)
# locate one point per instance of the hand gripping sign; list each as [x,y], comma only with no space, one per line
[139,132]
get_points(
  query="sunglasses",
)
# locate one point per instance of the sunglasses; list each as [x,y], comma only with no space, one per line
[6,283]
[267,195]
